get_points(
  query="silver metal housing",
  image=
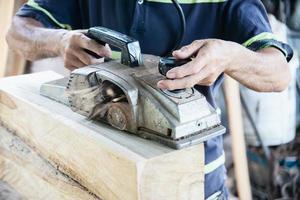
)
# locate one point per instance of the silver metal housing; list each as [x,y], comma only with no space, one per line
[171,115]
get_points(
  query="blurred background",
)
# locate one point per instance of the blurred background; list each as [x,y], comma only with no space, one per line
[271,121]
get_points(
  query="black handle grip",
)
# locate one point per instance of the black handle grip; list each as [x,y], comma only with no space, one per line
[167,63]
[130,47]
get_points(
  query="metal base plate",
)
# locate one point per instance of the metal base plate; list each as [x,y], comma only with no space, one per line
[187,141]
[55,90]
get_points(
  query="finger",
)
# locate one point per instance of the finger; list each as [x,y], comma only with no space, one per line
[182,83]
[190,68]
[72,62]
[83,56]
[84,31]
[208,75]
[205,82]
[92,45]
[184,70]
[189,50]
[71,68]
[97,61]
[208,81]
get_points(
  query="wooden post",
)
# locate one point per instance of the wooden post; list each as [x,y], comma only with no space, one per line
[235,121]
[113,165]
[11,63]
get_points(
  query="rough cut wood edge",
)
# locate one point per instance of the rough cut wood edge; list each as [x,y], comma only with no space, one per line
[31,176]
[111,164]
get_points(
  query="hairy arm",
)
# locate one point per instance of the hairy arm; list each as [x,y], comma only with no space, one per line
[265,70]
[28,37]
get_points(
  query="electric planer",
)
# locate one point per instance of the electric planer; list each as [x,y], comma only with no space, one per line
[123,94]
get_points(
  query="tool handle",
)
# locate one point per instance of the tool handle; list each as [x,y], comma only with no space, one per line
[130,47]
[167,63]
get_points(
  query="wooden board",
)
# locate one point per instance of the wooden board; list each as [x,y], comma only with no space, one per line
[111,164]
[31,176]
[11,63]
[235,122]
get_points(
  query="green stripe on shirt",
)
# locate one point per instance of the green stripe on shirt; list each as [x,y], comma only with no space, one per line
[264,36]
[260,37]
[35,5]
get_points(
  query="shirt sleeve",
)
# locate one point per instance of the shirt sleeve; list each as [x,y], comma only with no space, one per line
[246,22]
[53,13]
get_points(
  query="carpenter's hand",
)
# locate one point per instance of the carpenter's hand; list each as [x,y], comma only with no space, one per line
[209,59]
[72,47]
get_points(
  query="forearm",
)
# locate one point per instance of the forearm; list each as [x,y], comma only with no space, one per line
[28,37]
[264,71]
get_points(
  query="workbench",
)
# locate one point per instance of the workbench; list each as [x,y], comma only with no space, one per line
[74,158]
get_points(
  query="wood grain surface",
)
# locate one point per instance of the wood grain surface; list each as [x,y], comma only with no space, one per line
[109,163]
[32,177]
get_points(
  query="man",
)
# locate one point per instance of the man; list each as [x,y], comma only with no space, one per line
[39,31]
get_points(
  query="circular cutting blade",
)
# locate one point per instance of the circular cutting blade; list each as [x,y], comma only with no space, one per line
[119,115]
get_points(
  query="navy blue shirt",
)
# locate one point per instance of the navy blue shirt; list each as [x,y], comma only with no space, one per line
[155,24]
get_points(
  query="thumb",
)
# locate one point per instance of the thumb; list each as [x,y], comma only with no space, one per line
[84,31]
[189,50]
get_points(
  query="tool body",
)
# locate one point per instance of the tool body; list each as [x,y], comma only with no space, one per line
[123,93]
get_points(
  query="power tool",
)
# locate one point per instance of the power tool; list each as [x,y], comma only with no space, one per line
[123,93]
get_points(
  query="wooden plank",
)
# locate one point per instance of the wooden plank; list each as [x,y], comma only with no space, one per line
[235,122]
[6,13]
[31,176]
[111,164]
[11,63]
